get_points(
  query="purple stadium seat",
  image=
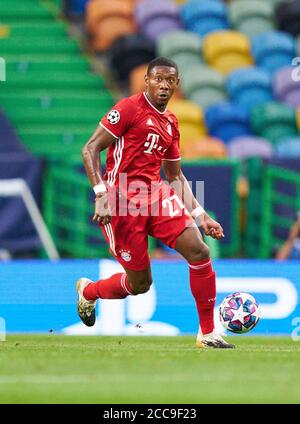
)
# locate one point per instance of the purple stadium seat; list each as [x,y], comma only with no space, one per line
[156,17]
[287,89]
[249,146]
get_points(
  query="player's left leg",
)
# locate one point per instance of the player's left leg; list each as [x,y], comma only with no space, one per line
[179,231]
[203,285]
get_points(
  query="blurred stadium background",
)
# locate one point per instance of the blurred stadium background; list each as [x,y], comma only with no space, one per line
[63,65]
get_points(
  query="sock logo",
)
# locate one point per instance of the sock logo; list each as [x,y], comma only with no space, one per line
[211,300]
[126,255]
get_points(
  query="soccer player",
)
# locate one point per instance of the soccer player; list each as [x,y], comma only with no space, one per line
[142,136]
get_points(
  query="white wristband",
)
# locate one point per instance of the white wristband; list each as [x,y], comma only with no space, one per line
[99,188]
[197,211]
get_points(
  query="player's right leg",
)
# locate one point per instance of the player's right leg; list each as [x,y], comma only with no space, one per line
[128,243]
[118,286]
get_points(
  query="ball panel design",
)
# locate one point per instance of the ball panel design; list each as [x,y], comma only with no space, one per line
[239,312]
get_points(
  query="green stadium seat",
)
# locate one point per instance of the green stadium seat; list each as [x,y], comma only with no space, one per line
[64,100]
[174,42]
[184,47]
[63,80]
[56,144]
[251,16]
[273,121]
[20,11]
[37,29]
[55,115]
[33,45]
[48,64]
[203,85]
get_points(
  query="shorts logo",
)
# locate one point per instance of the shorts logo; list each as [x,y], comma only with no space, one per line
[125,255]
[113,117]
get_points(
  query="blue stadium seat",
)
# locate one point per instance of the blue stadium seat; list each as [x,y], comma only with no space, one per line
[74,8]
[204,16]
[227,120]
[249,86]
[273,50]
[288,148]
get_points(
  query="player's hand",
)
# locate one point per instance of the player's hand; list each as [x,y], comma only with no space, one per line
[102,213]
[211,227]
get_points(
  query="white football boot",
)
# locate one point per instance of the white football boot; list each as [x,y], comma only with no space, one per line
[213,340]
[85,308]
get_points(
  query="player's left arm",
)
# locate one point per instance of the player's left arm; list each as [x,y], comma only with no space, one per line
[175,177]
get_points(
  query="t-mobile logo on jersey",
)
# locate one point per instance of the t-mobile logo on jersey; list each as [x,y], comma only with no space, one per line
[153,144]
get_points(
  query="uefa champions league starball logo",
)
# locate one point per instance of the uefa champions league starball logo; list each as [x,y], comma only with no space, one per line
[113,117]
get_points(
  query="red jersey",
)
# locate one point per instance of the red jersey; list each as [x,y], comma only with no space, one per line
[145,136]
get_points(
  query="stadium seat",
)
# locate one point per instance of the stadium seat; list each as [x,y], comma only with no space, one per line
[203,148]
[77,115]
[227,120]
[44,63]
[62,100]
[287,89]
[227,51]
[38,45]
[12,12]
[74,9]
[184,47]
[204,16]
[298,118]
[273,121]
[250,146]
[273,50]
[106,20]
[287,16]
[251,17]
[203,85]
[249,86]
[35,28]
[191,120]
[298,45]
[156,17]
[34,80]
[288,148]
[128,52]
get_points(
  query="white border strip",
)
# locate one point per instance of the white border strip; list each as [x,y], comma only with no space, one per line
[200,266]
[103,126]
[153,106]
[172,160]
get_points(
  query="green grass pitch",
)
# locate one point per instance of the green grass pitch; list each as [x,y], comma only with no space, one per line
[63,369]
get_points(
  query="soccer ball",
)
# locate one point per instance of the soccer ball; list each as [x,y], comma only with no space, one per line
[239,312]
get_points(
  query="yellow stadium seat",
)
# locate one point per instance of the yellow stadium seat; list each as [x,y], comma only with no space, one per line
[227,51]
[191,119]
[4,31]
[204,147]
[298,118]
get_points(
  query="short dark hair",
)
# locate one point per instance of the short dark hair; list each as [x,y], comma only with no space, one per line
[161,61]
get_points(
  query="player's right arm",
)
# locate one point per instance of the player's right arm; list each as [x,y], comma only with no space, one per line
[99,141]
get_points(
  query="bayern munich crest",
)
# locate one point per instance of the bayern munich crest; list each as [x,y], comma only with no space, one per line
[125,255]
[113,117]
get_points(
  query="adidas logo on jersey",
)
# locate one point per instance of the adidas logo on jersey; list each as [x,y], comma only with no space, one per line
[149,122]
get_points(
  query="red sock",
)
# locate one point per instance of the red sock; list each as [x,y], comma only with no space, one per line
[114,287]
[203,287]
